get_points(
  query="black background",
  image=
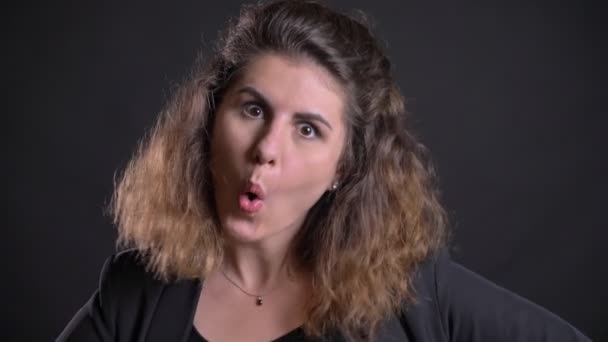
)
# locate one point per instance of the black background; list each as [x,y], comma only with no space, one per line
[510,99]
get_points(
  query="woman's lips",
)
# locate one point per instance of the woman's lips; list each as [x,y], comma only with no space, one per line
[250,205]
[251,199]
[256,189]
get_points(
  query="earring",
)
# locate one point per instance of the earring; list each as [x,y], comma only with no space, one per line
[334,186]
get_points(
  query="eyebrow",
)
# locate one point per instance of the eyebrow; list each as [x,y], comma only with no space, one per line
[299,115]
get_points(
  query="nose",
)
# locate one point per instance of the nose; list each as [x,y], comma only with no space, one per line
[268,145]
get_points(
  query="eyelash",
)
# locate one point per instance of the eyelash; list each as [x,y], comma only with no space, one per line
[316,132]
[247,107]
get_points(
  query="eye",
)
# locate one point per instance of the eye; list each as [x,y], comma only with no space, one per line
[308,130]
[253,110]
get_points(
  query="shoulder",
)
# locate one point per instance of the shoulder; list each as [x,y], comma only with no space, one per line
[127,270]
[125,282]
[467,305]
[124,300]
[141,304]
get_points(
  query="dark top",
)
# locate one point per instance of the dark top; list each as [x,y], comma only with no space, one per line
[295,335]
[195,336]
[453,304]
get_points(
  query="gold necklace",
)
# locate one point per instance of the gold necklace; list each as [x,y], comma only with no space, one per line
[258,297]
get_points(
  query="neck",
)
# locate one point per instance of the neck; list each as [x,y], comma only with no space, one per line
[258,267]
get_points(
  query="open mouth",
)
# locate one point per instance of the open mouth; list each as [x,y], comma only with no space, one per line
[251,196]
[250,202]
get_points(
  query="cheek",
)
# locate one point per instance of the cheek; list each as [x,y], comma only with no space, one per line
[311,176]
[226,141]
[306,189]
[222,149]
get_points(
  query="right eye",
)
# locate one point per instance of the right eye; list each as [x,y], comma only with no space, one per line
[253,110]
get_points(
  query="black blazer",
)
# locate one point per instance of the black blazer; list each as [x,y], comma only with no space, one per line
[454,304]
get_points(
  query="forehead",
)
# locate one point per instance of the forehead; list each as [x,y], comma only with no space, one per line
[297,84]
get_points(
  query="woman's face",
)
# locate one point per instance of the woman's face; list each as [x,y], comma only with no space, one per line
[277,138]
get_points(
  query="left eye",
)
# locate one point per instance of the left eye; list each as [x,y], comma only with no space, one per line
[253,110]
[307,130]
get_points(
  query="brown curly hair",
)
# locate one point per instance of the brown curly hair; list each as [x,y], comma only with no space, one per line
[362,242]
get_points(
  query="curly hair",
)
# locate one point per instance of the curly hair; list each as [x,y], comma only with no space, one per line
[362,242]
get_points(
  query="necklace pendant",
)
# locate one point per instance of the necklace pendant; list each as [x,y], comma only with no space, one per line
[259,301]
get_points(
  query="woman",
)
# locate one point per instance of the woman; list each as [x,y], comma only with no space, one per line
[281,197]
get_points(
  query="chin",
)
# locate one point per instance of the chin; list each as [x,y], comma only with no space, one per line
[240,230]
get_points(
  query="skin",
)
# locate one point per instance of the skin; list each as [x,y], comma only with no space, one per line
[281,125]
